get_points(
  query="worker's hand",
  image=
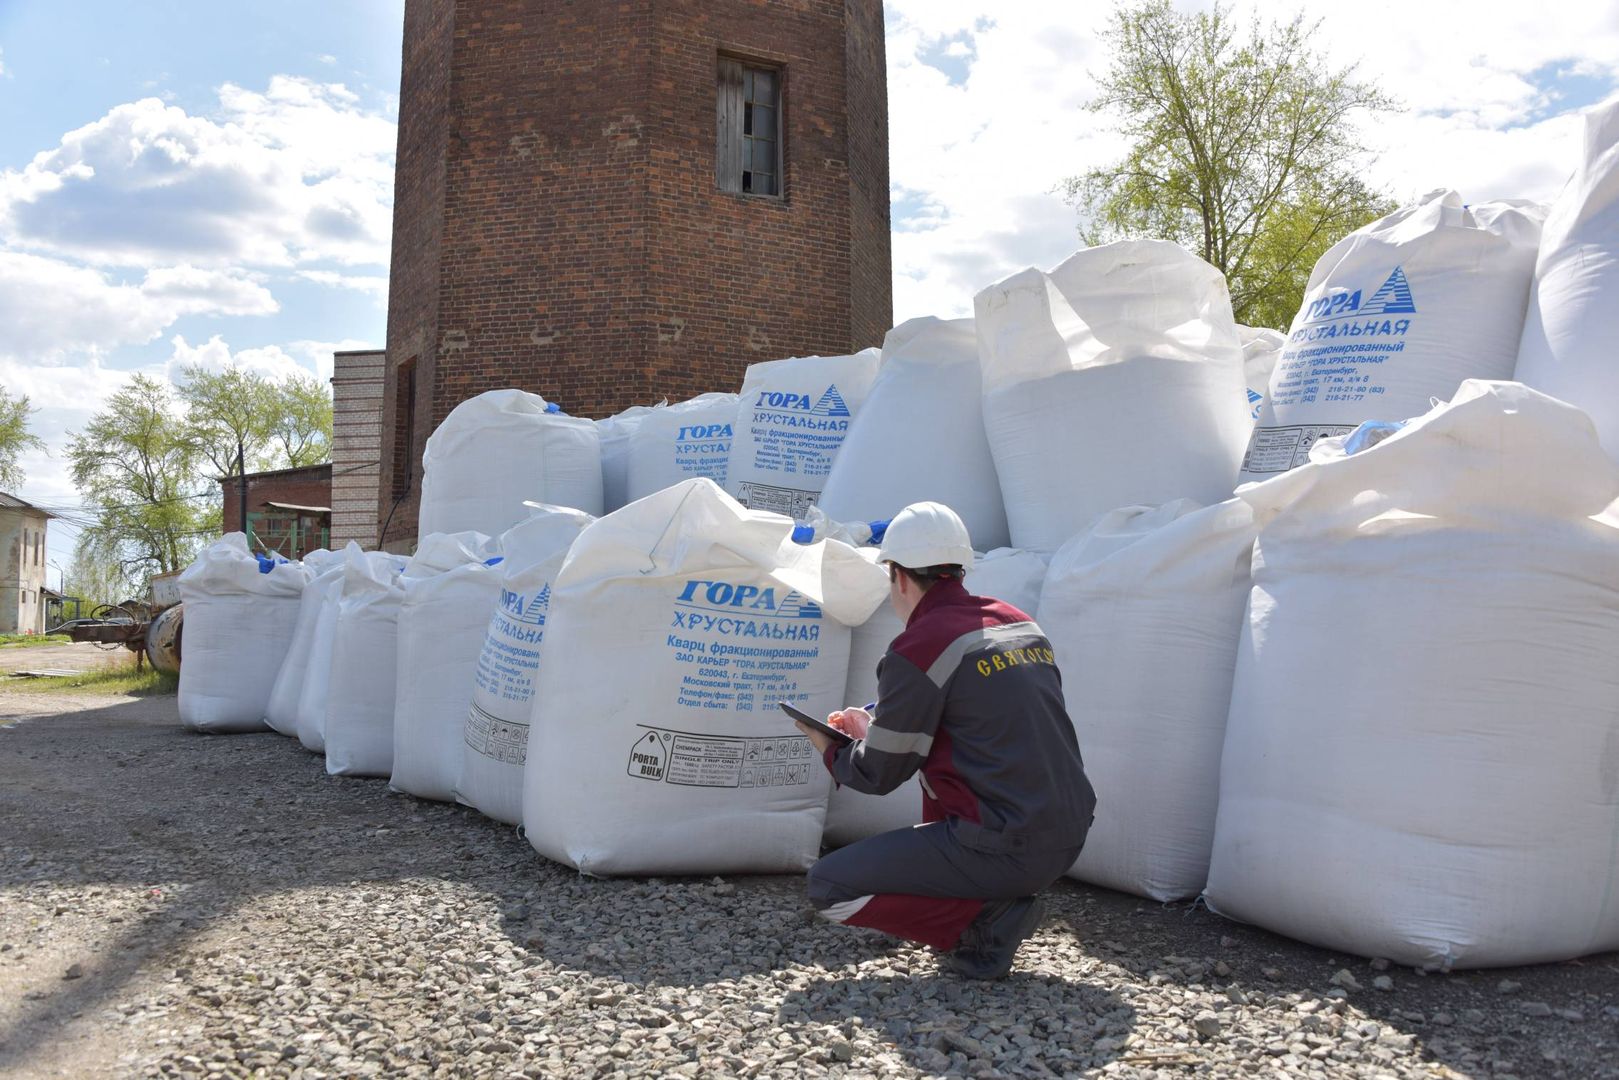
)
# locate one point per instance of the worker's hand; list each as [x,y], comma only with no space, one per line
[852,721]
[817,740]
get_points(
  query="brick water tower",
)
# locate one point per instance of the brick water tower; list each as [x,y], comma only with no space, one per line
[609,202]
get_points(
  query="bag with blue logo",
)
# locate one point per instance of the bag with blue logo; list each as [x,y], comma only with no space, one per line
[680,442]
[239,622]
[790,425]
[451,585]
[675,626]
[1395,316]
[495,725]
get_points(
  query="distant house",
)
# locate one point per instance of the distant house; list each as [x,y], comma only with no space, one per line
[288,510]
[22,576]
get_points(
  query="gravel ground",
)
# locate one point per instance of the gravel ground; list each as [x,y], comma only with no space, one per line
[179,905]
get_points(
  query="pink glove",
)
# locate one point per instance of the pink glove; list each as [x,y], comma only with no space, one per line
[852,721]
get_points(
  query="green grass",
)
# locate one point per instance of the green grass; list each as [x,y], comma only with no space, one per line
[33,639]
[118,676]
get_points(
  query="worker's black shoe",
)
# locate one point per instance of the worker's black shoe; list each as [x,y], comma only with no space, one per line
[989,944]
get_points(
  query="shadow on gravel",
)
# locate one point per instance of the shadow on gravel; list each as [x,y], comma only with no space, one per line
[944,1024]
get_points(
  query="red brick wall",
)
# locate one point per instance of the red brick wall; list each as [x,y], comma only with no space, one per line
[583,250]
[298,487]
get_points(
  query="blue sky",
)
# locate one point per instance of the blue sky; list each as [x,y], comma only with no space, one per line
[185,181]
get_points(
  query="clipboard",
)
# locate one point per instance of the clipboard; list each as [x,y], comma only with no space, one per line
[841,738]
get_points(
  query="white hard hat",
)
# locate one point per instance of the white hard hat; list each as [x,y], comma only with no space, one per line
[927,534]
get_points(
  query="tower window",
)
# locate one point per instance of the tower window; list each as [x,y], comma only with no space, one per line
[749,114]
[404,429]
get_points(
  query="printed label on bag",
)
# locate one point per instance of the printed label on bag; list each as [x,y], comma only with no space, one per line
[1278,449]
[510,656]
[741,647]
[795,434]
[703,450]
[791,502]
[1337,353]
[689,760]
[500,740]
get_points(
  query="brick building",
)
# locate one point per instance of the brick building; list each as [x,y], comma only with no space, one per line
[22,566]
[288,510]
[613,202]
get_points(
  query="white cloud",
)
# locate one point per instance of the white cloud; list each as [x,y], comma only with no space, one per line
[318,354]
[375,286]
[52,309]
[214,355]
[987,115]
[2,62]
[298,173]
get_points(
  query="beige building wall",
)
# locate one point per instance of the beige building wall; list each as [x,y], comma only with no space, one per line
[356,443]
[22,574]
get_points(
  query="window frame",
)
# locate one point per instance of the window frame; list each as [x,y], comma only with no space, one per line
[733,130]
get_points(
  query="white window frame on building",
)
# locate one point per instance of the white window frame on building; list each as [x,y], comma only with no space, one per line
[749,103]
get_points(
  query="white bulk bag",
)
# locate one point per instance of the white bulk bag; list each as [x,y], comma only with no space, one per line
[1144,612]
[920,435]
[281,713]
[683,441]
[789,426]
[615,433]
[359,729]
[676,625]
[240,612]
[1420,758]
[1114,380]
[1261,348]
[310,714]
[316,692]
[451,585]
[499,449]
[1573,321]
[1396,314]
[1006,574]
[495,727]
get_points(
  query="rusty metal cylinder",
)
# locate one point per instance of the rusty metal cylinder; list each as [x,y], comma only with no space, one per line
[163,638]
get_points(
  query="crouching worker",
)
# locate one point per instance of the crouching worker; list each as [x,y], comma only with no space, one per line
[969,694]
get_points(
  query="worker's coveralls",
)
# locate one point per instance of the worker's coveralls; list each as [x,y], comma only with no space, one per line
[970,694]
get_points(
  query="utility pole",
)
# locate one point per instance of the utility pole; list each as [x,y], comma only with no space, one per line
[241,490]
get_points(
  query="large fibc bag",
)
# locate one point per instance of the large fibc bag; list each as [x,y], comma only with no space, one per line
[919,436]
[1573,321]
[451,585]
[789,425]
[495,724]
[359,731]
[1397,314]
[281,713]
[1006,574]
[615,433]
[1114,380]
[1144,612]
[681,442]
[676,625]
[1261,348]
[316,692]
[241,610]
[500,449]
[1419,762]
